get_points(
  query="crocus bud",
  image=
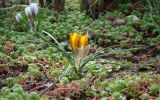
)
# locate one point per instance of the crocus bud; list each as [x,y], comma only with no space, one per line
[18,17]
[28,11]
[79,44]
[34,8]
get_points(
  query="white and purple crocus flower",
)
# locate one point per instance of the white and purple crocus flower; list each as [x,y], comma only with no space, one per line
[18,17]
[31,12]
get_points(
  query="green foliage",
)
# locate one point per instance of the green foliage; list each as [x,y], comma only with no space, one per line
[15,92]
[117,86]
[90,92]
[158,98]
[154,10]
[11,81]
[55,73]
[5,91]
[34,96]
[144,96]
[154,88]
[29,59]
[117,96]
[103,98]
[15,1]
[82,83]
[18,89]
[64,81]
[15,96]
[33,70]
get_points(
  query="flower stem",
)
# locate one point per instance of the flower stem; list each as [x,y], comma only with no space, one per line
[31,24]
[78,69]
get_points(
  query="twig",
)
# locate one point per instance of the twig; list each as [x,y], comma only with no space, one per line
[5,66]
[54,83]
[111,4]
[94,3]
[138,3]
[91,9]
[44,70]
[68,89]
[40,87]
[14,6]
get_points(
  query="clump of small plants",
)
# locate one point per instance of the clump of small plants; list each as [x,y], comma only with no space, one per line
[68,55]
[14,91]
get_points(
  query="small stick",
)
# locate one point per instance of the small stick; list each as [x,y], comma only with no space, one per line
[14,6]
[40,87]
[45,71]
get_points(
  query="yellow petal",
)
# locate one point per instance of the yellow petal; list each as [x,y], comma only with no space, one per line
[75,40]
[84,41]
[70,39]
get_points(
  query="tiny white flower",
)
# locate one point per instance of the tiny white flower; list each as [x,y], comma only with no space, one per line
[28,11]
[18,17]
[34,8]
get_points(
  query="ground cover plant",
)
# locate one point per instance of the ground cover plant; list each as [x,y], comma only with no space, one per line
[69,55]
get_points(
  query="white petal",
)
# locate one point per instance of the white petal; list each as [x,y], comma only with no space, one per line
[81,52]
[86,51]
[34,8]
[28,11]
[18,17]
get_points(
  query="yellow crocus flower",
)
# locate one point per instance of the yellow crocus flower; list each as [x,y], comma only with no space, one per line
[76,40]
[79,44]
